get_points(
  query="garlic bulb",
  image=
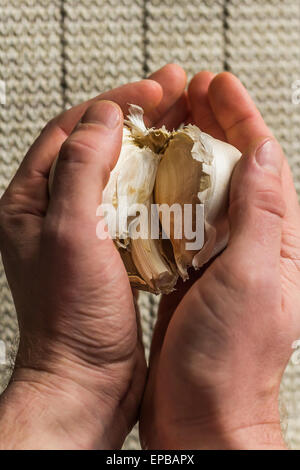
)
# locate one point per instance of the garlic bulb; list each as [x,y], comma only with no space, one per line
[185,169]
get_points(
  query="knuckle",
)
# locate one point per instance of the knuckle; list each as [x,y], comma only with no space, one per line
[60,236]
[12,223]
[253,278]
[1,207]
[49,126]
[71,151]
[77,149]
[77,152]
[258,191]
[5,202]
[2,222]
[247,275]
[271,200]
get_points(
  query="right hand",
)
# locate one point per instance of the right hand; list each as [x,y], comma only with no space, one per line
[220,347]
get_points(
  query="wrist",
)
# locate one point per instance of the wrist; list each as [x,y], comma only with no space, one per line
[219,429]
[55,413]
[263,436]
[216,421]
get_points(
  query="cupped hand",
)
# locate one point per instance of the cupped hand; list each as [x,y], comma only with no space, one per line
[80,358]
[221,344]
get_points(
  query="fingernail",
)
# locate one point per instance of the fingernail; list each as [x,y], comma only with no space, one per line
[103,112]
[269,156]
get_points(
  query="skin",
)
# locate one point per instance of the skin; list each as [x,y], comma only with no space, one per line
[221,342]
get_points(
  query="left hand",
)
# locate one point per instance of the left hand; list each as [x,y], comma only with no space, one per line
[80,369]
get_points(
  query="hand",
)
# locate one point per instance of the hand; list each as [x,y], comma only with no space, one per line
[80,369]
[220,347]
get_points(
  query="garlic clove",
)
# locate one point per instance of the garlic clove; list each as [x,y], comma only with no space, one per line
[177,182]
[151,264]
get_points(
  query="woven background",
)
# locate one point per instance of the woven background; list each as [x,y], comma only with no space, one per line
[56,53]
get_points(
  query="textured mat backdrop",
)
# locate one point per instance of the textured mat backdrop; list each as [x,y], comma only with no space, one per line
[56,53]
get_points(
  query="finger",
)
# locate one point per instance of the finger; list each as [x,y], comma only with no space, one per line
[172,79]
[146,93]
[84,164]
[168,305]
[31,178]
[257,206]
[243,124]
[201,111]
[235,111]
[176,115]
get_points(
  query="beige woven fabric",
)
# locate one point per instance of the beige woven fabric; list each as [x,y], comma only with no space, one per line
[56,53]
[103,45]
[262,47]
[32,67]
[187,32]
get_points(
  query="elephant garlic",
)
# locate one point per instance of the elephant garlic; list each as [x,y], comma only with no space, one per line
[156,169]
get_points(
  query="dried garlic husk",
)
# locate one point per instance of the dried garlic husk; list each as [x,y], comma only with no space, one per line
[196,168]
[180,167]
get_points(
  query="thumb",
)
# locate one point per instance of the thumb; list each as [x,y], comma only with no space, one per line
[257,206]
[85,161]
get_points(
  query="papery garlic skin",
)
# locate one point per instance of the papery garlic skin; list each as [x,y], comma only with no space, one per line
[178,182]
[225,157]
[131,182]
